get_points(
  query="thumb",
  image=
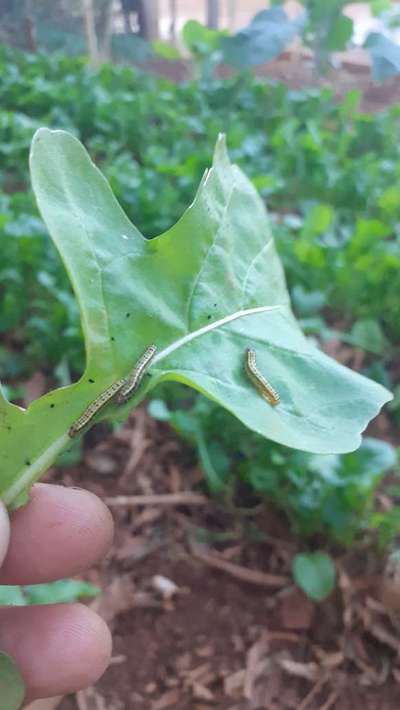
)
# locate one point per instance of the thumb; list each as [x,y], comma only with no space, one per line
[4,532]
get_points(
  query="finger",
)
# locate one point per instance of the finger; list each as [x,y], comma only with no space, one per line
[4,532]
[59,533]
[58,649]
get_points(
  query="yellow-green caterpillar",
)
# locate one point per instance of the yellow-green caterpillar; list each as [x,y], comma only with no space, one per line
[121,390]
[133,381]
[93,408]
[261,384]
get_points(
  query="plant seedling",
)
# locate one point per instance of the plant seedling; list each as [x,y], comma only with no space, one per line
[315,574]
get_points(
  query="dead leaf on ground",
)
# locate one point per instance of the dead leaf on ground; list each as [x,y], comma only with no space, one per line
[255,655]
[89,699]
[168,700]
[46,704]
[309,671]
[135,548]
[100,462]
[119,596]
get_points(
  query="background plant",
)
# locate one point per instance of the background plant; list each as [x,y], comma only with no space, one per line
[330,176]
[324,495]
[322,26]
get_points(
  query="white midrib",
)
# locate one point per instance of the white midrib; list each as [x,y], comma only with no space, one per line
[211,326]
[31,473]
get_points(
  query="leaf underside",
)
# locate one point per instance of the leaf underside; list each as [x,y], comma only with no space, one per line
[192,291]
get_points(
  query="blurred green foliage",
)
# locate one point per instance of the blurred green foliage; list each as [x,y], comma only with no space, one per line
[321,25]
[330,175]
[332,495]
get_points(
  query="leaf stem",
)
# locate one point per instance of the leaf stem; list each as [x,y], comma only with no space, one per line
[31,473]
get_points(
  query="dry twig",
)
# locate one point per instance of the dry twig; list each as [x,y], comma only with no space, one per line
[252,576]
[330,702]
[183,498]
[305,703]
[255,654]
[309,671]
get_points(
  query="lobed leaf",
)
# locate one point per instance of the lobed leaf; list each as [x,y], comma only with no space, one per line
[267,35]
[203,292]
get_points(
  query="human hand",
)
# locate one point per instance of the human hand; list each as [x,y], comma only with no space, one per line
[58,648]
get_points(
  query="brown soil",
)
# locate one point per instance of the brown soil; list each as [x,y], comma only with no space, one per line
[188,635]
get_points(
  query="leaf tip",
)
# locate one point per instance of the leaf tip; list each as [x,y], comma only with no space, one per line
[45,135]
[42,135]
[221,152]
[38,136]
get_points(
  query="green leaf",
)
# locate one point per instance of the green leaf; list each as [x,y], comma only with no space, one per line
[131,47]
[318,220]
[264,38]
[385,55]
[339,34]
[11,596]
[159,410]
[378,7]
[306,302]
[367,334]
[166,50]
[389,200]
[61,592]
[315,574]
[368,232]
[200,39]
[12,686]
[363,468]
[203,292]
[378,372]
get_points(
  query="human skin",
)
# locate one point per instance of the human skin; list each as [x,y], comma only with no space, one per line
[61,532]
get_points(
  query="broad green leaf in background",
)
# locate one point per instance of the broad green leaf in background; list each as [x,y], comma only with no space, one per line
[339,34]
[315,574]
[12,686]
[307,303]
[166,50]
[389,200]
[380,6]
[367,333]
[267,35]
[362,468]
[200,39]
[203,292]
[318,220]
[385,55]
